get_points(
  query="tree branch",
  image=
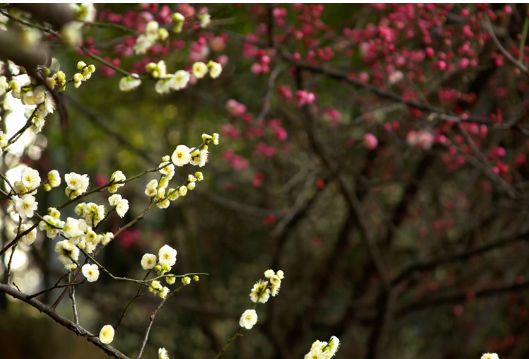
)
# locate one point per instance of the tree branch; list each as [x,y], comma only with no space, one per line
[43,308]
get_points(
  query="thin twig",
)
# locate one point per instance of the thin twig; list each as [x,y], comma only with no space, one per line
[506,53]
[8,272]
[238,334]
[483,159]
[50,312]
[72,297]
[138,294]
[151,320]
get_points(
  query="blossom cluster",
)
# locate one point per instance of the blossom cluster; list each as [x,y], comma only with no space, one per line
[162,264]
[260,293]
[38,94]
[323,350]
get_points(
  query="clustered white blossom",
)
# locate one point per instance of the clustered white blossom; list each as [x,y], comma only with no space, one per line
[91,213]
[129,83]
[68,254]
[260,293]
[76,184]
[117,176]
[178,19]
[275,280]
[37,95]
[162,354]
[162,264]
[157,288]
[181,156]
[490,356]
[29,182]
[167,81]
[85,12]
[79,234]
[28,238]
[204,18]
[26,89]
[323,350]
[153,34]
[121,204]
[52,223]
[84,75]
[54,180]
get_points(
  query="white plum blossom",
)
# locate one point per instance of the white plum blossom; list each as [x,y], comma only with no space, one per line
[180,80]
[333,345]
[316,354]
[205,20]
[150,190]
[143,43]
[30,178]
[114,199]
[248,319]
[54,178]
[50,224]
[200,70]
[163,86]
[122,207]
[129,83]
[107,237]
[260,292]
[91,272]
[215,69]
[28,238]
[85,12]
[173,194]
[163,204]
[490,356]
[269,273]
[167,169]
[71,228]
[25,206]
[167,256]
[116,177]
[201,159]
[162,354]
[181,156]
[67,252]
[3,139]
[182,190]
[148,261]
[77,184]
[106,335]
[3,86]
[323,350]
